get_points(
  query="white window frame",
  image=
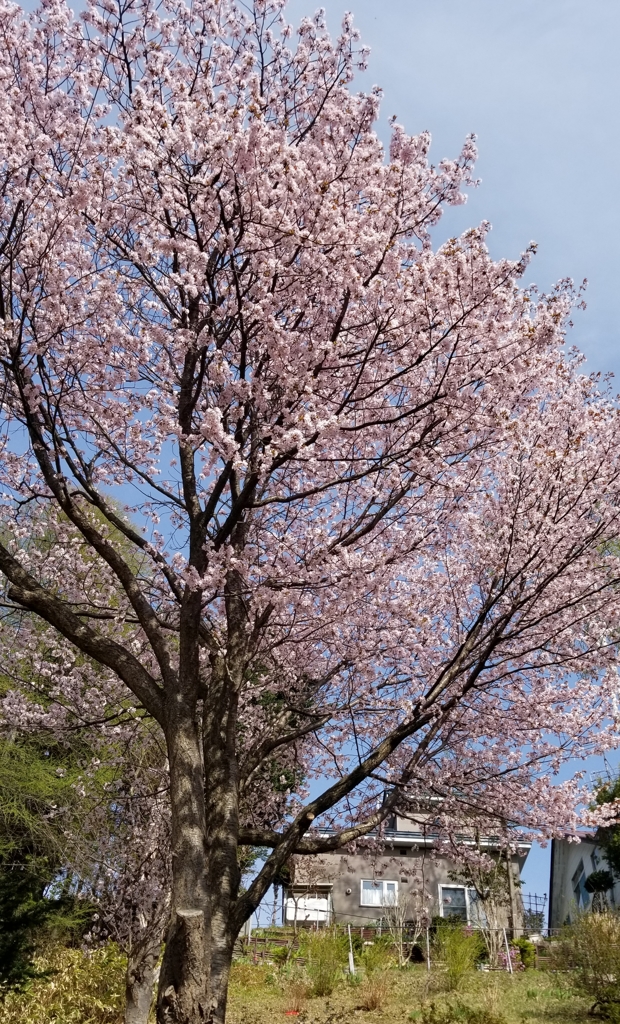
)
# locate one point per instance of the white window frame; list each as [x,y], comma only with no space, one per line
[466,890]
[315,905]
[381,884]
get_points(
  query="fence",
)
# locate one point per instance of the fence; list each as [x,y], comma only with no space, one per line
[262,948]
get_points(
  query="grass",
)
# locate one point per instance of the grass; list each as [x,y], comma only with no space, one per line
[88,989]
[258,995]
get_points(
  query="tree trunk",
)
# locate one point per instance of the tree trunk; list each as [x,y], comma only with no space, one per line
[141,967]
[182,995]
[220,964]
[222,812]
[139,994]
[142,972]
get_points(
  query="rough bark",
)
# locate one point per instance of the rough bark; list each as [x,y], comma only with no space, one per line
[221,780]
[219,975]
[142,965]
[222,809]
[182,996]
[140,979]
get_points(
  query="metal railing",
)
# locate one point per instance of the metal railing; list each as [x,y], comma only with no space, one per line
[421,837]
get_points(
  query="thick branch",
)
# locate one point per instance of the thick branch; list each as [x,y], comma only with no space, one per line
[316,844]
[25,591]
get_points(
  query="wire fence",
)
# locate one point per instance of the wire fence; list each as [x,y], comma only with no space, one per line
[265,947]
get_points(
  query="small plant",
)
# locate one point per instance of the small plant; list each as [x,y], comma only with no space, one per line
[458,949]
[374,991]
[511,961]
[326,956]
[296,990]
[527,952]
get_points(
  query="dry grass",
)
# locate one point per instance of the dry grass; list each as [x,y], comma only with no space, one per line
[375,992]
[297,991]
[533,997]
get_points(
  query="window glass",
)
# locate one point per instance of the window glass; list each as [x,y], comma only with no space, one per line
[477,914]
[581,893]
[454,902]
[371,893]
[389,894]
[377,893]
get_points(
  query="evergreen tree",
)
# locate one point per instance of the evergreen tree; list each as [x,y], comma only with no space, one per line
[609,836]
[36,898]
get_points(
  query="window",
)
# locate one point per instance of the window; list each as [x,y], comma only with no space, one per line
[311,906]
[463,904]
[579,887]
[377,893]
[453,902]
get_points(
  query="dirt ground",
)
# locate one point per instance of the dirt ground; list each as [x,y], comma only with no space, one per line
[260,995]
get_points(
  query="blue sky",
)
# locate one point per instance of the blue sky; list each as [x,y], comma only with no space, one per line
[538,81]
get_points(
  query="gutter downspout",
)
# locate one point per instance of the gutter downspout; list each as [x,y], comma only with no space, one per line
[551,879]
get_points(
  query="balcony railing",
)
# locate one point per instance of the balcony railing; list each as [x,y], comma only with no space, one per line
[423,837]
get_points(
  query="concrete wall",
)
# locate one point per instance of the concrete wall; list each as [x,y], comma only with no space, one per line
[414,870]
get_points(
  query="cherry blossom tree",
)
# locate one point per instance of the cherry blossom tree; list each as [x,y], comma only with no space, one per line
[370,500]
[107,818]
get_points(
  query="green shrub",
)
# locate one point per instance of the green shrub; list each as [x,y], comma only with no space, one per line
[246,974]
[589,950]
[279,954]
[326,955]
[527,952]
[376,957]
[78,988]
[458,949]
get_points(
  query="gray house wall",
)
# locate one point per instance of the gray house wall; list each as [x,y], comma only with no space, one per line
[412,867]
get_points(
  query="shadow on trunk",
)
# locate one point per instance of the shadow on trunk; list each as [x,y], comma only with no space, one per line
[182,996]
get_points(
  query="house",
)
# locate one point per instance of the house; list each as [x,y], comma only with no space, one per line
[408,867]
[572,862]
